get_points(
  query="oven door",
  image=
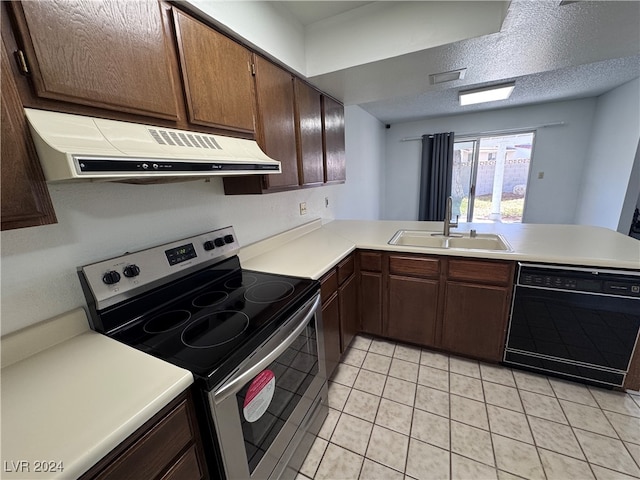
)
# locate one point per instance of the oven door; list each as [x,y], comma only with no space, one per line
[577,334]
[268,407]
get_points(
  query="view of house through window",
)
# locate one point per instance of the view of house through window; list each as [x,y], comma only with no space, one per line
[490,174]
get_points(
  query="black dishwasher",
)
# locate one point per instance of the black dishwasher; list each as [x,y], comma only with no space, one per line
[578,323]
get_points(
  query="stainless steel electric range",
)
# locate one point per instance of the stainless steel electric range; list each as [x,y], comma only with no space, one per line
[252,340]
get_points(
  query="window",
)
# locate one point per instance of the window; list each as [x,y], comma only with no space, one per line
[490,175]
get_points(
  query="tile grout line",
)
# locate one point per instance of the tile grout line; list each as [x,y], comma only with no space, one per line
[486,411]
[526,416]
[373,425]
[574,428]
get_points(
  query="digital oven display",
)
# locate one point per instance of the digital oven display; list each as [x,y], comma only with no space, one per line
[180,254]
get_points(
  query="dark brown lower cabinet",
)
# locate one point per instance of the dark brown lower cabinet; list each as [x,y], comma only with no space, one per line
[475,320]
[413,313]
[331,327]
[339,295]
[166,447]
[476,307]
[348,296]
[371,302]
[460,305]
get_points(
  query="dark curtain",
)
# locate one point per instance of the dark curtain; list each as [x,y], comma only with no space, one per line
[435,175]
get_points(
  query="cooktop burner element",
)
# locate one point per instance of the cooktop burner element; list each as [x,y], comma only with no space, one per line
[210,299]
[244,280]
[269,292]
[215,329]
[167,321]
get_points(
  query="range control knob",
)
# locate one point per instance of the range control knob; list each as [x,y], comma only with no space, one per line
[131,271]
[111,277]
[228,239]
[209,245]
[219,242]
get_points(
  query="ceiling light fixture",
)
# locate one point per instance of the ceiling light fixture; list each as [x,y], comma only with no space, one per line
[486,94]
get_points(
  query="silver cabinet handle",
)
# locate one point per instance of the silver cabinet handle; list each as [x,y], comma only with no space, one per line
[239,379]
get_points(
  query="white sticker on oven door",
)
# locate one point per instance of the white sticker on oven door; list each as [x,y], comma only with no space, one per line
[259,395]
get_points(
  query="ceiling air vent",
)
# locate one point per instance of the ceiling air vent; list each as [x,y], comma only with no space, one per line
[445,77]
[180,139]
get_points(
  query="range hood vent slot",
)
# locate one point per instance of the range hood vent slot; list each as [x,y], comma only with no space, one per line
[193,140]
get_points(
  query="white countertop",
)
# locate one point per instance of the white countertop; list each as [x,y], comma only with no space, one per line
[311,250]
[76,396]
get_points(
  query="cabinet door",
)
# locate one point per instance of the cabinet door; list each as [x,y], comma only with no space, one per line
[412,314]
[371,302]
[25,198]
[475,320]
[111,54]
[276,125]
[217,77]
[309,133]
[333,133]
[348,296]
[331,327]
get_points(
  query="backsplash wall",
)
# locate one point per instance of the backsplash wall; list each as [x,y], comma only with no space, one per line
[103,220]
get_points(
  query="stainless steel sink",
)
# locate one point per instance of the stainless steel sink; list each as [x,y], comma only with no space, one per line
[464,241]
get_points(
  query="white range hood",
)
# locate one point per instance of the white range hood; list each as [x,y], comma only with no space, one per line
[75,147]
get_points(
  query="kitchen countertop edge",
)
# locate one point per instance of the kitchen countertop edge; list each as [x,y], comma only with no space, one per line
[86,390]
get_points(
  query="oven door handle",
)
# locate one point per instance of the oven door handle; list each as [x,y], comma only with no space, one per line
[282,338]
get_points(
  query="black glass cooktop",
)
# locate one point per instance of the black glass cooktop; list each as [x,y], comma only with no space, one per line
[211,321]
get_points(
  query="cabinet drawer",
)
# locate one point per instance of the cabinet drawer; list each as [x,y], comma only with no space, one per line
[186,468]
[414,266]
[370,261]
[345,269]
[328,285]
[498,273]
[150,455]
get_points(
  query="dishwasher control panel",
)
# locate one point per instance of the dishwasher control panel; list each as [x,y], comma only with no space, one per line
[609,282]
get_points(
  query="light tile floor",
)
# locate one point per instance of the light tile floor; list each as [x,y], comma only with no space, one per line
[401,412]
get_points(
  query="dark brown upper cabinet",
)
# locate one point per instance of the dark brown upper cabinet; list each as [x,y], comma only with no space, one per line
[276,131]
[217,78]
[309,134]
[276,121]
[110,54]
[25,199]
[335,170]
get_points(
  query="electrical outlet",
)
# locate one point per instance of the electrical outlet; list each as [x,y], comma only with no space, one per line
[303,208]
[540,175]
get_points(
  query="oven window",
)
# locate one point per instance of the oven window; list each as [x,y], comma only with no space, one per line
[268,400]
[591,329]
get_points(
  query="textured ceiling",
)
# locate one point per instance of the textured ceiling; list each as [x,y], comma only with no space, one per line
[552,52]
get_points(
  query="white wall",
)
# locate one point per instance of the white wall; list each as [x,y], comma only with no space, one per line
[610,158]
[632,198]
[97,221]
[559,152]
[360,197]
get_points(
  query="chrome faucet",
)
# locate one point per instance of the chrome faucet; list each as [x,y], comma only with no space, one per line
[448,224]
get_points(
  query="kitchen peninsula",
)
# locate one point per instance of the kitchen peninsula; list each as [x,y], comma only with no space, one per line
[355,251]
